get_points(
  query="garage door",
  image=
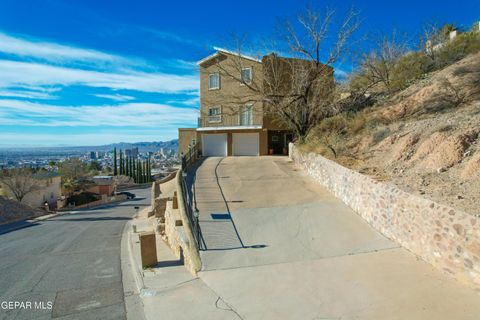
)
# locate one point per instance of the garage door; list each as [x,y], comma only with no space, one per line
[214,145]
[245,144]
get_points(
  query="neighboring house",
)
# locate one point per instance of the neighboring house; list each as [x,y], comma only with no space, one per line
[103,185]
[233,121]
[49,190]
[440,40]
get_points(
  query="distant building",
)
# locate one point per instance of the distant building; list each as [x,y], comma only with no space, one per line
[93,155]
[132,152]
[103,185]
[100,154]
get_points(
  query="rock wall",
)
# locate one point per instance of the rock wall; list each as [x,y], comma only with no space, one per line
[447,238]
[176,238]
[174,227]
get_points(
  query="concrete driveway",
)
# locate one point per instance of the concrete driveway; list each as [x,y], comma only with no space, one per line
[278,246]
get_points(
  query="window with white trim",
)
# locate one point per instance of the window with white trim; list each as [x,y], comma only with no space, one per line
[213,81]
[246,76]
[246,115]
[214,114]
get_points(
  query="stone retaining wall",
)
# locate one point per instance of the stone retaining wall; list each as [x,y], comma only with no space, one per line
[174,227]
[447,238]
[176,238]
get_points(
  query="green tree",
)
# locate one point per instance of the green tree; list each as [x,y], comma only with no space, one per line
[94,167]
[74,173]
[115,172]
[149,171]
[134,169]
[122,169]
[139,171]
[145,171]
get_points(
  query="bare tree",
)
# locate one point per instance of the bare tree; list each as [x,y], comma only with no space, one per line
[458,94]
[19,182]
[378,65]
[74,174]
[299,90]
[434,37]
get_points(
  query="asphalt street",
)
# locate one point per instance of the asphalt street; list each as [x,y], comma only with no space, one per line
[67,267]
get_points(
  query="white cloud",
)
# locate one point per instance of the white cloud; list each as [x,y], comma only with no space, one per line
[114,97]
[192,102]
[49,51]
[26,140]
[142,115]
[27,94]
[14,73]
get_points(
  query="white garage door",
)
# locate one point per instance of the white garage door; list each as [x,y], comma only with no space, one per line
[214,145]
[245,144]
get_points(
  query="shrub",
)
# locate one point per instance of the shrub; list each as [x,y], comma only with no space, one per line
[457,49]
[380,134]
[409,68]
[82,198]
[356,123]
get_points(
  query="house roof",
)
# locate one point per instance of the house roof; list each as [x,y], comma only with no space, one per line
[221,50]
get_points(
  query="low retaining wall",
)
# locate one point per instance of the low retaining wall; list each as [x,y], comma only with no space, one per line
[190,250]
[447,238]
[177,238]
[101,202]
[174,227]
[170,176]
[134,186]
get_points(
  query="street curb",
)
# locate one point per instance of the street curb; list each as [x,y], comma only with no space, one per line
[136,270]
[132,285]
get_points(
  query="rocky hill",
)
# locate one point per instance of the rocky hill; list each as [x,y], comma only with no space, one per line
[424,139]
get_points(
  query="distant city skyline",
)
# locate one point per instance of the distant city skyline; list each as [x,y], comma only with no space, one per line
[76,73]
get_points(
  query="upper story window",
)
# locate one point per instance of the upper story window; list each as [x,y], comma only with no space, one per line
[246,76]
[213,81]
[214,114]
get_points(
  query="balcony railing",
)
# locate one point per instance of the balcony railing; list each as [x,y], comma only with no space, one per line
[235,120]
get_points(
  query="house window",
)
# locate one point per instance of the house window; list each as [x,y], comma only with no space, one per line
[246,76]
[214,115]
[213,81]
[246,115]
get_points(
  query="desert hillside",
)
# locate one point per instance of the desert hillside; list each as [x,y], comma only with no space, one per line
[424,139]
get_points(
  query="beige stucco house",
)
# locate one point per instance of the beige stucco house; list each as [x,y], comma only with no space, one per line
[233,121]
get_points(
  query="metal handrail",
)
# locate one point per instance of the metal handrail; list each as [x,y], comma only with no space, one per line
[187,160]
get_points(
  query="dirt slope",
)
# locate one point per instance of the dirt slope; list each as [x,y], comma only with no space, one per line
[431,142]
[11,210]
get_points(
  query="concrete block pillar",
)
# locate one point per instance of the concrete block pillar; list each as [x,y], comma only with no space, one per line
[160,207]
[154,193]
[175,201]
[148,249]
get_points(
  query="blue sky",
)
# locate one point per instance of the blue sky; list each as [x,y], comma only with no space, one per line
[95,72]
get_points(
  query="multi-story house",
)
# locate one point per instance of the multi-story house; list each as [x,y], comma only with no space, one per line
[233,118]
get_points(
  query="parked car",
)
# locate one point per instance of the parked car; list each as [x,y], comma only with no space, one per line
[128,194]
